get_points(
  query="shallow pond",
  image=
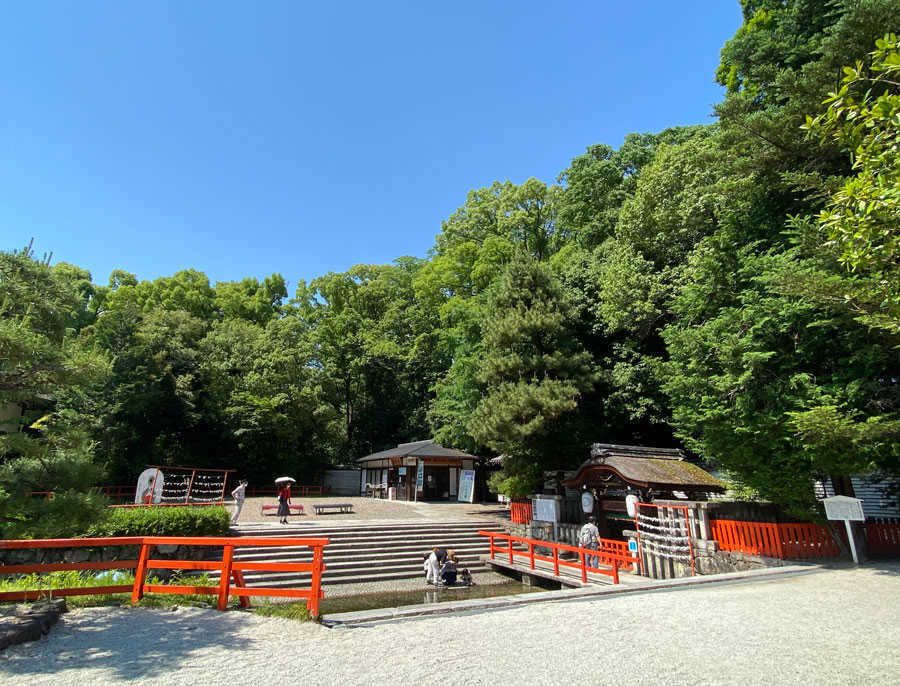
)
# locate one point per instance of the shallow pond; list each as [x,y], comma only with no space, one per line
[374,601]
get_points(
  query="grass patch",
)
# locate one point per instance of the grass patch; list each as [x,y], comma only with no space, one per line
[51,581]
[295,611]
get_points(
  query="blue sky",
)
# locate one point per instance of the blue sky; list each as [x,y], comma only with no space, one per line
[243,139]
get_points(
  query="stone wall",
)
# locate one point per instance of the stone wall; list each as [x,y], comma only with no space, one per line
[546,531]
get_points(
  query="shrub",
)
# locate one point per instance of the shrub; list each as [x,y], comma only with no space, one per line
[162,521]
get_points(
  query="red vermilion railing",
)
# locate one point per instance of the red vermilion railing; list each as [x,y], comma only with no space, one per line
[520,512]
[799,540]
[883,538]
[608,554]
[231,580]
[775,540]
[118,492]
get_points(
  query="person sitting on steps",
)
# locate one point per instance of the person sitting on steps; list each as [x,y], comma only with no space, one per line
[448,571]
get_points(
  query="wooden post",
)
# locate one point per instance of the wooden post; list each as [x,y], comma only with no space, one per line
[531,553]
[238,576]
[140,573]
[187,496]
[315,590]
[225,578]
[555,561]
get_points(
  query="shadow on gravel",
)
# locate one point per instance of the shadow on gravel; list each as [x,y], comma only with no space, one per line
[884,567]
[132,643]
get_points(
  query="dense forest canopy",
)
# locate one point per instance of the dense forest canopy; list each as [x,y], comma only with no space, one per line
[731,288]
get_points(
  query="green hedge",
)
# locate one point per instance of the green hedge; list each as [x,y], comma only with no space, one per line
[162,521]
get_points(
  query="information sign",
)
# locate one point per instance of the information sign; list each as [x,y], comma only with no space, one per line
[844,507]
[402,471]
[545,509]
[420,477]
[466,492]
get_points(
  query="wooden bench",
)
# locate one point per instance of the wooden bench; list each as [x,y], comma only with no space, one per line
[273,509]
[341,508]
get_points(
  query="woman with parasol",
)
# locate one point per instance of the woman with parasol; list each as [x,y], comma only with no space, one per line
[284,498]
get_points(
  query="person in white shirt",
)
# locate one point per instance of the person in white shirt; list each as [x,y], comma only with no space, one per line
[238,494]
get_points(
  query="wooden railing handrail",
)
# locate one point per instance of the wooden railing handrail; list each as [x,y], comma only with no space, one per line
[569,548]
[229,568]
[617,559]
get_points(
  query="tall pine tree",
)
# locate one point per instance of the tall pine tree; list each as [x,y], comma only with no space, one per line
[534,371]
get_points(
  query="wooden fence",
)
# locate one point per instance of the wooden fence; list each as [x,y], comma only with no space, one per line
[231,580]
[883,538]
[520,512]
[609,554]
[783,541]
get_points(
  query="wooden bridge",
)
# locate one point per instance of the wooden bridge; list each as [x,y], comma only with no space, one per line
[566,564]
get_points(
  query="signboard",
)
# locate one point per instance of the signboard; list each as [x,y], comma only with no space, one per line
[632,545]
[545,509]
[466,486]
[844,507]
[850,510]
[420,477]
[402,471]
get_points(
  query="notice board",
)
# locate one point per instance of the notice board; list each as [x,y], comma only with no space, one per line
[466,486]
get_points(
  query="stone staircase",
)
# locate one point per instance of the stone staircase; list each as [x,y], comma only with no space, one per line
[366,552]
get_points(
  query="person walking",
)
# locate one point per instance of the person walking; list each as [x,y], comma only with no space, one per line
[284,503]
[238,494]
[589,537]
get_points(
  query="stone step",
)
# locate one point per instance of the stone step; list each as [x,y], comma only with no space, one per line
[355,535]
[366,552]
[413,551]
[335,574]
[299,581]
[465,557]
[372,546]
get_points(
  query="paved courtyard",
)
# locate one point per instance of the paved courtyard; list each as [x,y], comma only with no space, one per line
[833,627]
[369,509]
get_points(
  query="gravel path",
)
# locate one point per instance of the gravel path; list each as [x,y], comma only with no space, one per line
[834,627]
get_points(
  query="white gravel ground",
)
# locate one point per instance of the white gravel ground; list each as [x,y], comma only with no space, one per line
[833,627]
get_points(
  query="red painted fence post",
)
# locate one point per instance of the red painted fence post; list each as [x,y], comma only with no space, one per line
[225,578]
[140,573]
[315,587]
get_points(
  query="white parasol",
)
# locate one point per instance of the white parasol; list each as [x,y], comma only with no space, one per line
[285,480]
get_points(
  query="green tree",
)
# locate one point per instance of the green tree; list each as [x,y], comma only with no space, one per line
[39,355]
[534,370]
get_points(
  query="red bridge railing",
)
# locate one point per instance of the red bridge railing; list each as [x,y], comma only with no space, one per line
[231,580]
[609,553]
